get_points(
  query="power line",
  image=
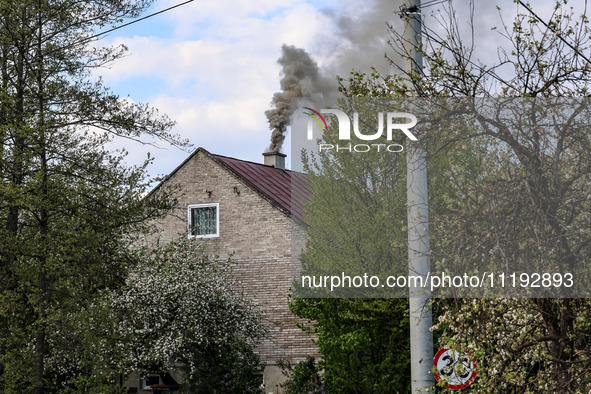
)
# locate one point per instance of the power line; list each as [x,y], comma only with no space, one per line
[138,20]
[489,71]
[404,11]
[88,39]
[433,3]
[554,31]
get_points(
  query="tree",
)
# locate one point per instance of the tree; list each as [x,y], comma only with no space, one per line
[68,206]
[356,225]
[363,342]
[525,204]
[182,306]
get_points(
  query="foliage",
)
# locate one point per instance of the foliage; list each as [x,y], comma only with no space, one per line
[304,377]
[356,216]
[232,368]
[67,205]
[364,342]
[512,344]
[183,306]
[513,196]
[523,201]
[357,224]
[88,384]
[356,220]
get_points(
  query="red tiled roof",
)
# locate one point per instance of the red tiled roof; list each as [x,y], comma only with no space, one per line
[283,188]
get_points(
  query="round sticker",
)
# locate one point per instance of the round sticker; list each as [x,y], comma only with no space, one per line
[455,368]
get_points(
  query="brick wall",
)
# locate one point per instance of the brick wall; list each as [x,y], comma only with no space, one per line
[260,237]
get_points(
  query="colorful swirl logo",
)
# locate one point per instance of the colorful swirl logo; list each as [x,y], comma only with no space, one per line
[317,117]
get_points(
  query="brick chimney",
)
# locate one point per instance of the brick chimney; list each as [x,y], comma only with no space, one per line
[275,159]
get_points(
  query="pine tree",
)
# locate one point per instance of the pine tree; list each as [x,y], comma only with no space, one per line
[68,206]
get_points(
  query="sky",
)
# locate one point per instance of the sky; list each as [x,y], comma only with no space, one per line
[211,65]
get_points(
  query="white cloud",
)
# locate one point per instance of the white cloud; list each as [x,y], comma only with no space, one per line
[215,13]
[214,71]
[218,73]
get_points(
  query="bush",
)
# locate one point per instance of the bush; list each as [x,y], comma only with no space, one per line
[303,378]
[233,368]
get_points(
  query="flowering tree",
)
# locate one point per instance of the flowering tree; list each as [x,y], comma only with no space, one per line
[184,306]
[522,200]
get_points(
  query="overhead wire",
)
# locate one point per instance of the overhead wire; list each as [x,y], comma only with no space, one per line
[556,33]
[138,20]
[433,3]
[489,71]
[88,39]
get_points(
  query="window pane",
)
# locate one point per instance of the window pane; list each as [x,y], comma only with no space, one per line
[203,221]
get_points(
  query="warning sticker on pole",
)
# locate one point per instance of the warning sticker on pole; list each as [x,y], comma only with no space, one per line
[455,368]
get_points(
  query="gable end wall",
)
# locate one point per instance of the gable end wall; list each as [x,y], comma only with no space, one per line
[260,238]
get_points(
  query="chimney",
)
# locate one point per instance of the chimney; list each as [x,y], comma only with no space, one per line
[275,159]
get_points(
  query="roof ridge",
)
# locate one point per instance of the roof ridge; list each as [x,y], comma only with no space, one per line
[254,162]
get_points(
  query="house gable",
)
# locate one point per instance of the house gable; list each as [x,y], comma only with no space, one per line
[285,190]
[258,226]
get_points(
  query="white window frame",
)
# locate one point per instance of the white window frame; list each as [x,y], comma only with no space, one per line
[217,219]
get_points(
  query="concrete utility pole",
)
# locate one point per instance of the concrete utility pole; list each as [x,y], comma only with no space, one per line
[421,338]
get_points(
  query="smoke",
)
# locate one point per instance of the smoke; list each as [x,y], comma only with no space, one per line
[357,41]
[301,78]
[360,40]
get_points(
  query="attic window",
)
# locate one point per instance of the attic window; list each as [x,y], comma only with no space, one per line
[204,220]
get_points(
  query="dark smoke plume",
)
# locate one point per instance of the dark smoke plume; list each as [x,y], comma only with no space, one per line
[356,41]
[300,78]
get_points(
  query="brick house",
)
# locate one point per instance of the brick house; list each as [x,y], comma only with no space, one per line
[254,212]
